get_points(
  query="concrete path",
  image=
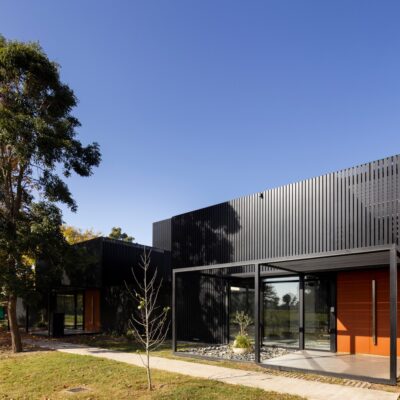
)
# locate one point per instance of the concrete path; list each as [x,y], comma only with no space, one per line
[311,390]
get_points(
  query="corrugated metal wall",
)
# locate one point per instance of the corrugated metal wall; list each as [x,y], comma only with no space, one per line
[355,207]
[118,260]
[162,234]
[202,308]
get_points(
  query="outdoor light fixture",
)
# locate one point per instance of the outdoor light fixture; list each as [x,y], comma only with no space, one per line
[235,289]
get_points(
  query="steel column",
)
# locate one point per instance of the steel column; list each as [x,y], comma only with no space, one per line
[393,315]
[75,311]
[257,313]
[27,318]
[301,312]
[174,328]
[49,319]
[332,314]
[227,309]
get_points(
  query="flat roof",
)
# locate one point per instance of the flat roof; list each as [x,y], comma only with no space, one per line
[373,256]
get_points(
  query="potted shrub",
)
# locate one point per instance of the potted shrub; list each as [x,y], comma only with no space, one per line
[242,343]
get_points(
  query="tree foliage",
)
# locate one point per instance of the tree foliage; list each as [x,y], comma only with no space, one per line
[75,235]
[38,150]
[116,233]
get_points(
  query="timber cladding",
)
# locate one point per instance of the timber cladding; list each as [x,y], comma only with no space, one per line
[92,310]
[354,312]
[353,208]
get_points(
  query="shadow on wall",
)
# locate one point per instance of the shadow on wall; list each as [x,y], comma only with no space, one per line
[203,238]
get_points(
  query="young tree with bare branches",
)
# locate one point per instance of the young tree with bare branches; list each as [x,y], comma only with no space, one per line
[149,323]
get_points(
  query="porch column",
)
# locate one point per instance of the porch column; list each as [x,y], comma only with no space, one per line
[26,318]
[173,306]
[49,319]
[393,315]
[75,311]
[257,313]
[301,312]
[227,310]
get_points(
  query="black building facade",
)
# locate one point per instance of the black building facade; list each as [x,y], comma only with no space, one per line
[97,299]
[307,239]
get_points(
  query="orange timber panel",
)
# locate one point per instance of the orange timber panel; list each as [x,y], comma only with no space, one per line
[354,312]
[92,310]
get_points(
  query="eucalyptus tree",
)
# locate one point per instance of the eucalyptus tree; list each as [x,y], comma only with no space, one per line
[38,150]
[116,233]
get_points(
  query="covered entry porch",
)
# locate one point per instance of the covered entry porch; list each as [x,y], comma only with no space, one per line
[341,364]
[201,310]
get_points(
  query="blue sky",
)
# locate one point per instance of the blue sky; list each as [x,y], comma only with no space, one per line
[197,102]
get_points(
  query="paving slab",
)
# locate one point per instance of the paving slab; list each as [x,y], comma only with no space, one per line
[311,390]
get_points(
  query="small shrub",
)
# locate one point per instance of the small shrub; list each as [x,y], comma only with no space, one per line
[244,321]
[130,334]
[242,342]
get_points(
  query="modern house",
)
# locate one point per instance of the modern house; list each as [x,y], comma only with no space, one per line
[314,262]
[98,299]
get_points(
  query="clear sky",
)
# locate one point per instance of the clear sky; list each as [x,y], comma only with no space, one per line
[198,102]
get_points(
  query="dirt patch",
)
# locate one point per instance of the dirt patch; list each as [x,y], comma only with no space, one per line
[93,339]
[5,342]
[5,345]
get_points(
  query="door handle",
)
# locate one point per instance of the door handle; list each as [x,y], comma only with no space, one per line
[373,321]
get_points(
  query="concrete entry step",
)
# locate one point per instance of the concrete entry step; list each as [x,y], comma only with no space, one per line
[377,367]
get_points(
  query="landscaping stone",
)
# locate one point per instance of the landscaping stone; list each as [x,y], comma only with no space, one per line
[225,352]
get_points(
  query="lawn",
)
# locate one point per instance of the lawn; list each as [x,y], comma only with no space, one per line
[47,375]
[120,343]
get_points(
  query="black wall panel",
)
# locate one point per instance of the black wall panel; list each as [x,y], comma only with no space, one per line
[118,261]
[162,234]
[202,308]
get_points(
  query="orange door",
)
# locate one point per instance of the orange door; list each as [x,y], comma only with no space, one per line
[355,312]
[92,310]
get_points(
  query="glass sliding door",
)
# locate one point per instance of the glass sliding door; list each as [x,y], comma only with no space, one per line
[281,317]
[316,314]
[281,313]
[66,305]
[71,305]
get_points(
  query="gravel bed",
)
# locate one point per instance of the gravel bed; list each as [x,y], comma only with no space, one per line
[225,352]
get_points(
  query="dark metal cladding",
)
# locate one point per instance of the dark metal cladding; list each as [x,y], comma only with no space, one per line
[200,308]
[162,234]
[353,208]
[118,261]
[119,258]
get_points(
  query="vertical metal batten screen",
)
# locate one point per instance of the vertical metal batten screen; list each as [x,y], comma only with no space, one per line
[352,208]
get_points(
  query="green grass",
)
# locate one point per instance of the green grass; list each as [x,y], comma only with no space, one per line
[46,375]
[120,343]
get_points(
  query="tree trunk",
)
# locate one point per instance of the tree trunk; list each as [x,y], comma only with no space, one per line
[149,383]
[16,342]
